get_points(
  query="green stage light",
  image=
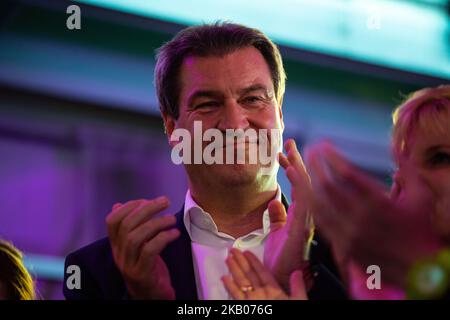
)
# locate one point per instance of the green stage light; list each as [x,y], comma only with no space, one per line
[406,35]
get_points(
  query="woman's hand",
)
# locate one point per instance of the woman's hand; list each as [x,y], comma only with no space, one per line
[363,223]
[250,280]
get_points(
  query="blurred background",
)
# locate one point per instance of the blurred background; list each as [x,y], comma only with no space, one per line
[80,127]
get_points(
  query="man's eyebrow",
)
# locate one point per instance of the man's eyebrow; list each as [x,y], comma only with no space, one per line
[218,94]
[254,87]
[204,94]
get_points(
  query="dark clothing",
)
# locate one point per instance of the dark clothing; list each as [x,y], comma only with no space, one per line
[100,278]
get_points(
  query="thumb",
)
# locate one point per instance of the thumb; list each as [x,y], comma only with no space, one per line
[277,215]
[297,284]
[116,206]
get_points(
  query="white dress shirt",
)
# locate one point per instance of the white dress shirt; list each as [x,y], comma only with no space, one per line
[210,248]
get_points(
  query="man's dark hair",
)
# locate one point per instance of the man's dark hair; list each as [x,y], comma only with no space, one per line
[216,39]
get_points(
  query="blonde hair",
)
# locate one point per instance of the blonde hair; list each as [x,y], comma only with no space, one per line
[427,109]
[13,274]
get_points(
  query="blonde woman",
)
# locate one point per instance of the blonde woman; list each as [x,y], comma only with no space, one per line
[15,281]
[405,232]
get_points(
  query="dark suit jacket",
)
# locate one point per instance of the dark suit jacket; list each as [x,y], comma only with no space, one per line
[100,278]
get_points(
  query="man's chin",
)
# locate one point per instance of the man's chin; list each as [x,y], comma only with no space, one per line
[236,174]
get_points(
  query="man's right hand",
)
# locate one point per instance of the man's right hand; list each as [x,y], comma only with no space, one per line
[137,238]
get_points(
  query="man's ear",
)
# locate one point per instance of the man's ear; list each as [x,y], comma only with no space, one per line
[169,126]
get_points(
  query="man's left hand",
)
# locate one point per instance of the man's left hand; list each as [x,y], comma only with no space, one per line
[287,245]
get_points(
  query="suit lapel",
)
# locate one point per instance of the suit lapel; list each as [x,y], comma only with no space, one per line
[178,258]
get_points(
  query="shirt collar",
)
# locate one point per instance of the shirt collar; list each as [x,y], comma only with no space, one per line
[194,214]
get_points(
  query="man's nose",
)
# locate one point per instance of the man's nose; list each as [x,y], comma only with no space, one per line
[233,117]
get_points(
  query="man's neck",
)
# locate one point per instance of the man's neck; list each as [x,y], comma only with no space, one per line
[236,211]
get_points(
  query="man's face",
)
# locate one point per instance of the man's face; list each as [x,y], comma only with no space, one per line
[430,157]
[234,91]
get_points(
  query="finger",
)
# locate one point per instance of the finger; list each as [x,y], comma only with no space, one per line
[360,182]
[236,271]
[293,176]
[288,144]
[316,172]
[264,276]
[300,188]
[329,220]
[232,288]
[299,210]
[325,222]
[334,194]
[371,197]
[145,232]
[301,192]
[350,207]
[283,160]
[114,218]
[300,222]
[296,172]
[246,268]
[277,215]
[333,224]
[298,290]
[158,243]
[116,206]
[141,214]
[296,218]
[295,159]
[320,181]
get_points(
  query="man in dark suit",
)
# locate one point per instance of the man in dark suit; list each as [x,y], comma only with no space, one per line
[224,77]
[102,280]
